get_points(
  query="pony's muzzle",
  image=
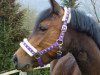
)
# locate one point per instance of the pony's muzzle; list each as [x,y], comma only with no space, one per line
[23,67]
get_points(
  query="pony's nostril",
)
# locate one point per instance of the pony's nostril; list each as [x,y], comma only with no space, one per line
[15,60]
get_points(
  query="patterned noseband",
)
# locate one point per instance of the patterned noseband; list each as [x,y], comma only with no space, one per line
[32,51]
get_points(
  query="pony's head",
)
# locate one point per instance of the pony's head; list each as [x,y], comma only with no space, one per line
[45,33]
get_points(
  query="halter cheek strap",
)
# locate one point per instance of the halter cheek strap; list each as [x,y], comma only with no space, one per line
[32,51]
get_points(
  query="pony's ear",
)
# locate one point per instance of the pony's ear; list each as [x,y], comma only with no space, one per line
[56,8]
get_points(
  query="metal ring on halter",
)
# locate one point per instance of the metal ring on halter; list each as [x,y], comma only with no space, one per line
[60,43]
[59,52]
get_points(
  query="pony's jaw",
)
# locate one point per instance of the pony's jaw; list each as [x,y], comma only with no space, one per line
[26,63]
[26,68]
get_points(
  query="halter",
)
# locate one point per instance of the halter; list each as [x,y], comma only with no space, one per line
[32,51]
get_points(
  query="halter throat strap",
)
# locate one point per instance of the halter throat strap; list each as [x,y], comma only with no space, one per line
[32,51]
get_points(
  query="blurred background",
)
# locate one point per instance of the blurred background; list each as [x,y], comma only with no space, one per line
[38,6]
[17,19]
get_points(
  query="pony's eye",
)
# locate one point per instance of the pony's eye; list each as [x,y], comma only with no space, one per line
[41,28]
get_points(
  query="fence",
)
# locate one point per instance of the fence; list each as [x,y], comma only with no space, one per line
[20,72]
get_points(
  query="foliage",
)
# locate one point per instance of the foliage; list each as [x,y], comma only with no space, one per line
[70,3]
[93,2]
[30,18]
[45,71]
[11,31]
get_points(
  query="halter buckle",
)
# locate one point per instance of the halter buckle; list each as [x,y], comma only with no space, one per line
[37,55]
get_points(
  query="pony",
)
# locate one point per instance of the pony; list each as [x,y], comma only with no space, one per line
[46,32]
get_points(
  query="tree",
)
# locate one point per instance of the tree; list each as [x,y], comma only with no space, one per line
[11,31]
[70,3]
[30,18]
[93,2]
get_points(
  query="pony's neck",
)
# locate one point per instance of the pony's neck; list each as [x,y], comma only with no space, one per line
[84,50]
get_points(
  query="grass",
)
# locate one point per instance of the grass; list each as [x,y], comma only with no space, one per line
[44,71]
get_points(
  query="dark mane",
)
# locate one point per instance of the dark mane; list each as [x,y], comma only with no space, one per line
[79,18]
[45,14]
[85,24]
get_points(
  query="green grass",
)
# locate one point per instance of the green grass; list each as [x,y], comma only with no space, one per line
[45,71]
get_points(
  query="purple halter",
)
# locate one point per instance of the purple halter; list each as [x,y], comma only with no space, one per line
[28,48]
